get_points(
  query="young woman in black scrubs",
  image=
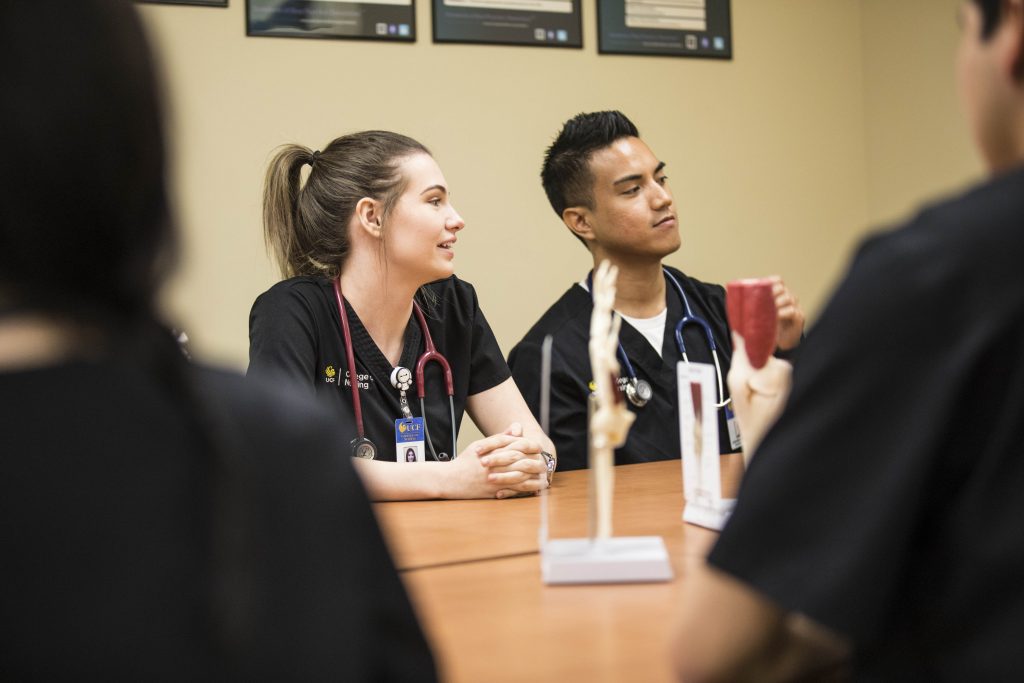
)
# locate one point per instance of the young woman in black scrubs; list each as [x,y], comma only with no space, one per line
[365,228]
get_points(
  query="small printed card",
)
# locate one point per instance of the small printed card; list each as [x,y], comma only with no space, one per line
[698,436]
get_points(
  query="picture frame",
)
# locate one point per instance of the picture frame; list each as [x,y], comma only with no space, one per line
[201,3]
[665,28]
[518,23]
[392,21]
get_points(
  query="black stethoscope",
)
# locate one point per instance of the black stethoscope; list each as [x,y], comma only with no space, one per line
[401,379]
[639,391]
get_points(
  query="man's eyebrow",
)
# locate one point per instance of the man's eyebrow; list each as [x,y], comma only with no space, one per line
[636,176]
[442,188]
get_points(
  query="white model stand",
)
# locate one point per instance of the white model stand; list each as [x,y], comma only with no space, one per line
[601,558]
[623,559]
[698,435]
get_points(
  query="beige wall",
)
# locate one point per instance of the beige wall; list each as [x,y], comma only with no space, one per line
[833,115]
[765,153]
[917,142]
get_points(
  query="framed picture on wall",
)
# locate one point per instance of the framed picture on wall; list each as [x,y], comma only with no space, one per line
[207,3]
[538,23]
[389,20]
[676,28]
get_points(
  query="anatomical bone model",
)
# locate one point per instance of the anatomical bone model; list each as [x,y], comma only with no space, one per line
[611,420]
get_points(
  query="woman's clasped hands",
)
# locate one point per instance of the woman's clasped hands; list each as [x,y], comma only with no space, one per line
[499,466]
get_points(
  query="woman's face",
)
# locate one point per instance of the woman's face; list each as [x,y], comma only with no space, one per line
[422,226]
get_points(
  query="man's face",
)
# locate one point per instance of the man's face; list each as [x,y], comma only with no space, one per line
[632,212]
[983,87]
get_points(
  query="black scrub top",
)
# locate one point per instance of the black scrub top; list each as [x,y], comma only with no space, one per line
[295,334]
[887,502]
[655,432]
[201,534]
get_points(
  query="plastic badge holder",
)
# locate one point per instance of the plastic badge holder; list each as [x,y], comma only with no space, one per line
[698,435]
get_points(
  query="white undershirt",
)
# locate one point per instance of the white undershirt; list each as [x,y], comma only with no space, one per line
[653,329]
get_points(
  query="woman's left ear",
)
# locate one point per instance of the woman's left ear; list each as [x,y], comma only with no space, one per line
[369,211]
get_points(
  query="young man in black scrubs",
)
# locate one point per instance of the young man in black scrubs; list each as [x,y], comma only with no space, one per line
[611,191]
[879,525]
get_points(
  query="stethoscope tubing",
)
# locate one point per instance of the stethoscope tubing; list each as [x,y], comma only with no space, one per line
[431,354]
[688,319]
[351,358]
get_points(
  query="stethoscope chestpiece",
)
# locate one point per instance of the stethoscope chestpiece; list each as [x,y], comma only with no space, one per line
[638,391]
[363,448]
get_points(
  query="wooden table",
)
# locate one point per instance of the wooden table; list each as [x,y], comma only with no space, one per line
[472,569]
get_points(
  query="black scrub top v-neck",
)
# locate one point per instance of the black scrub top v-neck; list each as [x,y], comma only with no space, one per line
[295,335]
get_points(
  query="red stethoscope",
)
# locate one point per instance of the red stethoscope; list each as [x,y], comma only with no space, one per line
[401,379]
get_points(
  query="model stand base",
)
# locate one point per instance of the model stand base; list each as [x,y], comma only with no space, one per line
[622,559]
[709,516]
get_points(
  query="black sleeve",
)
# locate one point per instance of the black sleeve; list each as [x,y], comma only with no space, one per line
[318,594]
[283,337]
[829,506]
[524,362]
[487,364]
[568,418]
[356,547]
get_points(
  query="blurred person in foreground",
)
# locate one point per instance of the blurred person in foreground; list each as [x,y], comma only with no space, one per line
[877,534]
[160,521]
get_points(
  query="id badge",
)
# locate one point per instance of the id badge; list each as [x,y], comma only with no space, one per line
[734,427]
[409,439]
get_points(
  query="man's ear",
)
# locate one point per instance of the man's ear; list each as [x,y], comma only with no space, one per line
[1013,15]
[369,216]
[577,219]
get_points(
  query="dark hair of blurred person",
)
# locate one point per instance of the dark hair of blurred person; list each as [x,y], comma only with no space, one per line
[159,521]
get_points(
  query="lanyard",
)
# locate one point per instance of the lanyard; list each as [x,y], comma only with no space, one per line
[363,447]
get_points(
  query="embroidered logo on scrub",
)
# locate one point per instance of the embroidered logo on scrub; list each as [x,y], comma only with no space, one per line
[623,381]
[331,376]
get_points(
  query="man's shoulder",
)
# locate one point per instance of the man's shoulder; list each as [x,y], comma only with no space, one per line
[975,234]
[568,316]
[985,220]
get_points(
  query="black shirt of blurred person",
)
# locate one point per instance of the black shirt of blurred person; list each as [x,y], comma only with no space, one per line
[886,503]
[130,555]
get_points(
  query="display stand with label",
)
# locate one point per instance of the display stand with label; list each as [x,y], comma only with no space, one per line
[698,436]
